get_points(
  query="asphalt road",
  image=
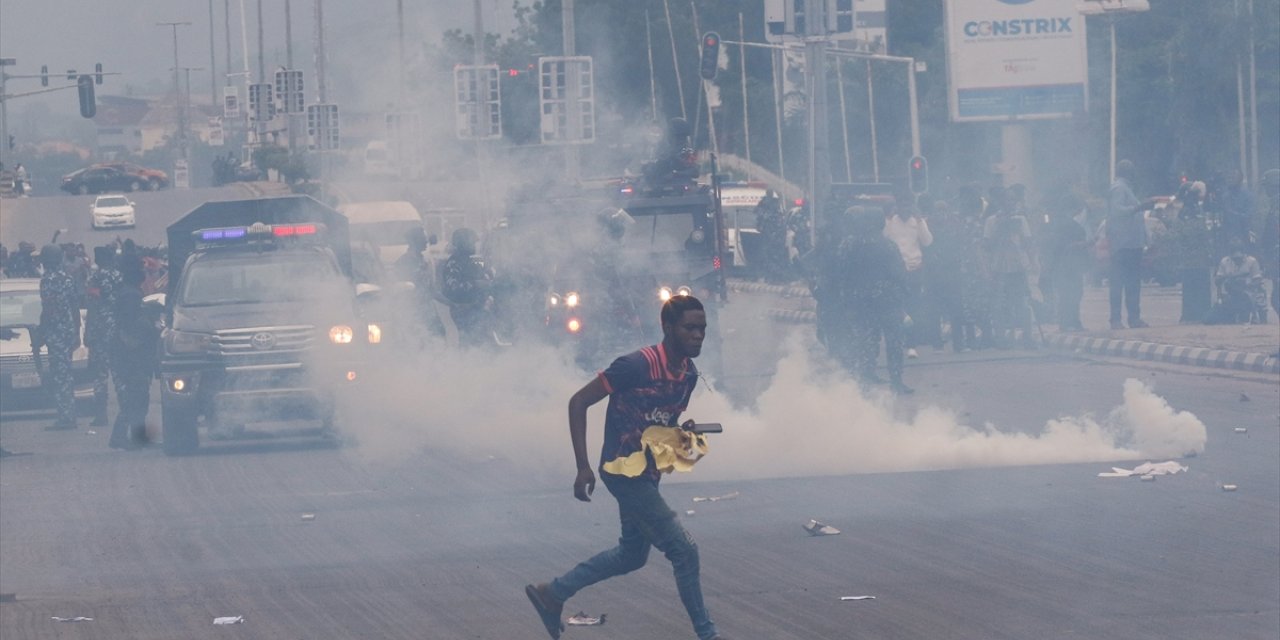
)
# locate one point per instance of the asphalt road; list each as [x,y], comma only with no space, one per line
[440,546]
[35,219]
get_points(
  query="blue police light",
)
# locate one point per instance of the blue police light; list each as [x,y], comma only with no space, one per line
[225,233]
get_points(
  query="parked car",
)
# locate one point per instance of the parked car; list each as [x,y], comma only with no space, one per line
[21,383]
[101,180]
[152,179]
[111,211]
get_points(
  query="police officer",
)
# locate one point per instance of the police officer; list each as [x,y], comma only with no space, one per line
[60,332]
[22,263]
[873,292]
[773,237]
[467,284]
[133,352]
[414,267]
[100,325]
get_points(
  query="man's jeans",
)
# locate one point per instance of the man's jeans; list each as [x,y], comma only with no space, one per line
[646,520]
[1125,282]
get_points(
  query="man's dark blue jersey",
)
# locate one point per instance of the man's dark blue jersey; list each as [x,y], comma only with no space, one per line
[643,392]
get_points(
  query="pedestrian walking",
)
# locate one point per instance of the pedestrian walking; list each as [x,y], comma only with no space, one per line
[648,387]
[1126,235]
[59,332]
[910,232]
[100,326]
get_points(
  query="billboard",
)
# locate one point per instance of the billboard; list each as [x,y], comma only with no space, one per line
[1015,59]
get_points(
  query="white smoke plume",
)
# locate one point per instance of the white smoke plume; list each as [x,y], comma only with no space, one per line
[513,405]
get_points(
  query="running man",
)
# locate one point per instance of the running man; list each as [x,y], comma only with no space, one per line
[648,387]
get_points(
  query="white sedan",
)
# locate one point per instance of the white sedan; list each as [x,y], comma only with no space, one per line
[112,211]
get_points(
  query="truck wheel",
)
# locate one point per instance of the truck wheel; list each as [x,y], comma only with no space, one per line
[179,431]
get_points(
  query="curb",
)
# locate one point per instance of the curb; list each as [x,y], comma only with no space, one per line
[1173,354]
[1133,349]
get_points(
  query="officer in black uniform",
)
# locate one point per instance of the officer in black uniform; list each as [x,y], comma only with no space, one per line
[873,293]
[59,332]
[100,325]
[133,353]
[467,284]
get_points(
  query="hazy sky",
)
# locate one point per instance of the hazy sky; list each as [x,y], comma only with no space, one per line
[122,34]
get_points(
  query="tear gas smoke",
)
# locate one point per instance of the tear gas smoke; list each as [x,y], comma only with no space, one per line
[513,404]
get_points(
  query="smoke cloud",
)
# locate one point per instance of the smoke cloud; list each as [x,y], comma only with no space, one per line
[811,420]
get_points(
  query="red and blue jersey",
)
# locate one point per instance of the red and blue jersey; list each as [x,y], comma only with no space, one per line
[643,392]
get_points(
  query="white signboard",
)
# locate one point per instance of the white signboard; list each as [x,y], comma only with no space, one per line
[231,102]
[181,178]
[1015,59]
[216,136]
[477,102]
[566,97]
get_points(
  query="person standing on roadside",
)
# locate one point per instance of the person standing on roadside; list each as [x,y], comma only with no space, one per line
[100,325]
[648,387]
[910,232]
[873,293]
[133,353]
[59,332]
[1126,234]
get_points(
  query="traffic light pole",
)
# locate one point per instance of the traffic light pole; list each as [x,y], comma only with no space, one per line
[815,50]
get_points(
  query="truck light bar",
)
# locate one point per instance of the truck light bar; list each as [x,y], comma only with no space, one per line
[243,234]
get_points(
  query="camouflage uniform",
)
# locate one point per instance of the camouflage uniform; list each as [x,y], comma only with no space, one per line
[60,332]
[99,329]
[466,285]
[133,352]
[872,292]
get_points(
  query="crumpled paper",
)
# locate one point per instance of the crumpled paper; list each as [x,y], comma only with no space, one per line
[75,619]
[727,496]
[581,619]
[1145,469]
[229,620]
[816,528]
[848,598]
[673,449]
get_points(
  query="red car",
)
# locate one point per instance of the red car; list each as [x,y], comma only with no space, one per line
[151,179]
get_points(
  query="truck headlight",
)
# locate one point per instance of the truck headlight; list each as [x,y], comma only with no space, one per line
[553,300]
[186,341]
[664,294]
[340,334]
[375,333]
[684,290]
[571,299]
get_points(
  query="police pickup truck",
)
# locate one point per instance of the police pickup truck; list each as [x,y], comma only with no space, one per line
[262,319]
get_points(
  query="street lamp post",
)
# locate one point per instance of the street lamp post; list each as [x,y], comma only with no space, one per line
[1112,9]
[177,88]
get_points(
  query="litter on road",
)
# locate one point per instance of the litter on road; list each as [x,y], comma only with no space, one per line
[847,598]
[1145,469]
[229,620]
[308,516]
[1148,478]
[690,512]
[1229,487]
[816,528]
[581,619]
[727,496]
[75,619]
[1241,430]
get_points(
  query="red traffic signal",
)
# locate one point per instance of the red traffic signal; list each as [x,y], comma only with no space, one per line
[710,61]
[918,175]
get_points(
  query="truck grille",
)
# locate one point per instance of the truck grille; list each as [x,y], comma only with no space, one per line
[263,344]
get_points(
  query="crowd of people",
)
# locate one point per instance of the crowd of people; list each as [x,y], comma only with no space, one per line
[983,270]
[118,332]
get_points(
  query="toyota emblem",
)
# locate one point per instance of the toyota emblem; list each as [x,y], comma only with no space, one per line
[263,341]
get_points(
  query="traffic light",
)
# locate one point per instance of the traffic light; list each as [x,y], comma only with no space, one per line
[44,75]
[918,175]
[97,73]
[710,55]
[88,106]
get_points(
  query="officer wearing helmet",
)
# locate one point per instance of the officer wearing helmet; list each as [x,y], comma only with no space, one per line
[466,285]
[59,331]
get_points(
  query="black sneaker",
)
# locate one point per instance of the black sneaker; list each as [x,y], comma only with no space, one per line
[547,606]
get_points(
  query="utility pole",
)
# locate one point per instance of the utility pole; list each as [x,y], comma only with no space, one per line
[213,67]
[815,51]
[320,87]
[288,35]
[400,104]
[226,32]
[571,88]
[653,86]
[4,107]
[177,89]
[262,58]
[1253,106]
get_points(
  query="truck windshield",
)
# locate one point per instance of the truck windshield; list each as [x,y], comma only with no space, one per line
[282,277]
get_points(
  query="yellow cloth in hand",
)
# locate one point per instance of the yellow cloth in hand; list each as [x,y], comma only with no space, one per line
[673,449]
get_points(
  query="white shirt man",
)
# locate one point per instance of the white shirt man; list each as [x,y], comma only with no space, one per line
[911,235]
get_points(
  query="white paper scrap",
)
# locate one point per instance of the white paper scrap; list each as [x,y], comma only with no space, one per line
[847,598]
[75,619]
[816,528]
[581,619]
[1145,469]
[229,620]
[727,496]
